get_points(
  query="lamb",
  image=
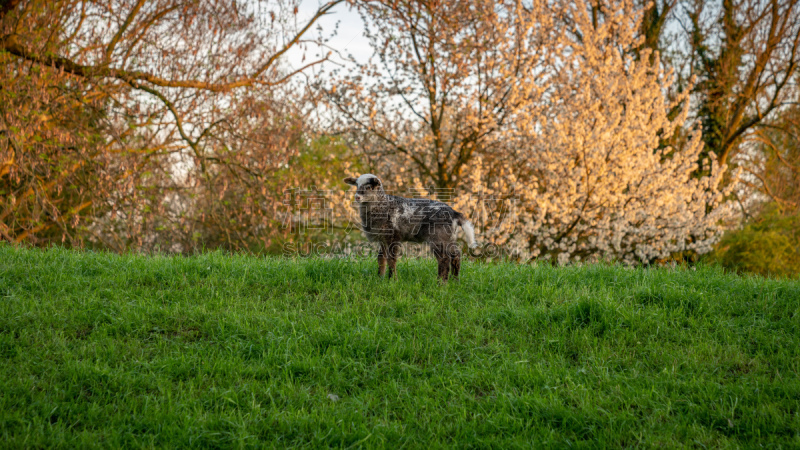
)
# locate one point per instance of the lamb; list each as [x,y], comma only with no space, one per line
[390,220]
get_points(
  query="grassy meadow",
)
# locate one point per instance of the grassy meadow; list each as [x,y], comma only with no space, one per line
[216,350]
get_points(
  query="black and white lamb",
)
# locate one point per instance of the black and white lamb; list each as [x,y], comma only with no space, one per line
[390,220]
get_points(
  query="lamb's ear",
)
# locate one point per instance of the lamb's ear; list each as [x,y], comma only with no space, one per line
[351,181]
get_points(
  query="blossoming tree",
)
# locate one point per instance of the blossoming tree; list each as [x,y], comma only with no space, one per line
[572,165]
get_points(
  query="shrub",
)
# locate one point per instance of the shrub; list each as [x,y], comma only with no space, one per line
[769,245]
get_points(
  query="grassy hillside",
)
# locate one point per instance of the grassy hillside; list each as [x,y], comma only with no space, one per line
[217,350]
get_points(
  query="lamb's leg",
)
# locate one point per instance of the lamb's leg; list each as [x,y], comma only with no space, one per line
[381,260]
[455,261]
[392,255]
[440,252]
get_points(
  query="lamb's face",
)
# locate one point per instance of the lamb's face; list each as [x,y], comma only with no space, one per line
[369,187]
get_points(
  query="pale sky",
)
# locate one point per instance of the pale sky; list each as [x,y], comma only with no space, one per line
[348,40]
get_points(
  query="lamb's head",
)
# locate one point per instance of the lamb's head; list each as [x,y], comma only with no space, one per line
[370,188]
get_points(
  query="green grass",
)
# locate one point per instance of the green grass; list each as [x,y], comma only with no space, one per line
[236,351]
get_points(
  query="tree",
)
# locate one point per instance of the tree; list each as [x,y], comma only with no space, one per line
[745,78]
[445,80]
[165,89]
[581,173]
[775,167]
[743,55]
[54,151]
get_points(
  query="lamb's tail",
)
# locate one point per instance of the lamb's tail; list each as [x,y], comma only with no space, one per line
[469,231]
